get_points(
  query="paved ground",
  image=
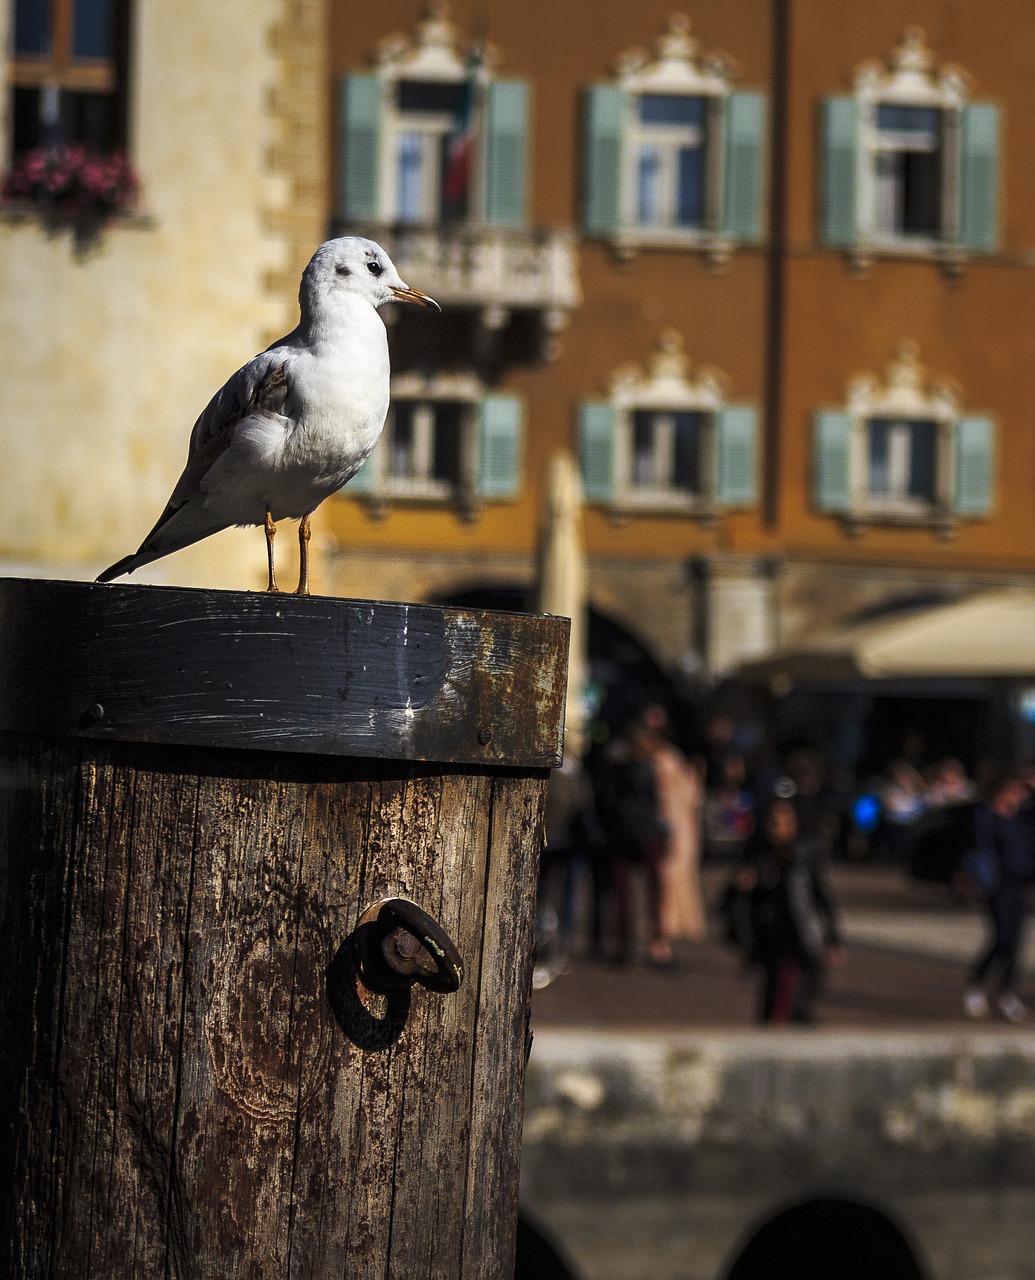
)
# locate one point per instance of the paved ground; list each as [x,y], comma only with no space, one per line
[908,948]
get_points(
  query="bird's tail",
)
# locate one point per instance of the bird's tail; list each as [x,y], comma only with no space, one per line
[128,563]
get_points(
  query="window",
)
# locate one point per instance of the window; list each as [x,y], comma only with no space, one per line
[910,164]
[424,447]
[666,455]
[908,168]
[445,441]
[901,461]
[68,74]
[902,450]
[666,441]
[671,153]
[432,135]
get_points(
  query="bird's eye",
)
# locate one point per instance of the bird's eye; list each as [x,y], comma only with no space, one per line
[374,267]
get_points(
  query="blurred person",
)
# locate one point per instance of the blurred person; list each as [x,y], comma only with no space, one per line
[571,833]
[902,797]
[949,785]
[680,800]
[999,866]
[729,809]
[792,924]
[635,835]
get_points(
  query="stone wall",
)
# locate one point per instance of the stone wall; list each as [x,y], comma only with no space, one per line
[655,1155]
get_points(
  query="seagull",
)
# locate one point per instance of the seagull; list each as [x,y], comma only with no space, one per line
[298,420]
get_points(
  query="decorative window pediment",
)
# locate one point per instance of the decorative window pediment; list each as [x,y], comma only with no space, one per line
[901,450]
[667,439]
[672,154]
[446,441]
[910,162]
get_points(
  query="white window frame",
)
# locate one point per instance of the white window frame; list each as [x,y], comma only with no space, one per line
[904,397]
[909,79]
[669,139]
[425,392]
[675,70]
[665,388]
[434,57]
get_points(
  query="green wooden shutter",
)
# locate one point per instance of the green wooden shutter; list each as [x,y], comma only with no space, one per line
[602,158]
[979,177]
[743,202]
[366,478]
[736,428]
[506,132]
[840,171]
[597,423]
[975,444]
[832,463]
[500,424]
[359,167]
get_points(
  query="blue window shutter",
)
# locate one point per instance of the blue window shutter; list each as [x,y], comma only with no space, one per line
[602,158]
[500,430]
[832,463]
[975,446]
[506,132]
[359,167]
[366,478]
[979,177]
[840,171]
[736,429]
[743,200]
[597,423]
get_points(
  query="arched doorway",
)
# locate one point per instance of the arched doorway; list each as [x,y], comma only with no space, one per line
[827,1238]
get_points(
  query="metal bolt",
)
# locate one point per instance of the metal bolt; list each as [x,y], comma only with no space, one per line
[485,736]
[94,711]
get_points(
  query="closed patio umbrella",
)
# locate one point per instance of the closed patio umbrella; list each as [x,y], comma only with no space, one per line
[561,579]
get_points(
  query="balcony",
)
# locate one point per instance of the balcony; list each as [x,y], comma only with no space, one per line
[499,273]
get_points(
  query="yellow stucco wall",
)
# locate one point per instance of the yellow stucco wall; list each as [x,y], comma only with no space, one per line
[108,360]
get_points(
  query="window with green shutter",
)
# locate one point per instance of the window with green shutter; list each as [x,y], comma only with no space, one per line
[361,111]
[506,128]
[744,196]
[832,464]
[975,444]
[597,421]
[841,142]
[500,442]
[736,450]
[671,155]
[908,163]
[902,451]
[602,158]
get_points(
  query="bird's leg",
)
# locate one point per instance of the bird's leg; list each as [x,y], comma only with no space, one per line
[303,557]
[271,533]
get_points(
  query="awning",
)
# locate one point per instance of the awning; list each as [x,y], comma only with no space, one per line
[984,636]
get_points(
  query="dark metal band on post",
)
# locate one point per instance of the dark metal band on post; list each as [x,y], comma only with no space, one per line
[282,673]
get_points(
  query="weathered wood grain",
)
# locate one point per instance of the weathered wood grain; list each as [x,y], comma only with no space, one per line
[281,673]
[177,1096]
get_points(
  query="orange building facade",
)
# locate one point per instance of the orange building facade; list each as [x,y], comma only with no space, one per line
[764,270]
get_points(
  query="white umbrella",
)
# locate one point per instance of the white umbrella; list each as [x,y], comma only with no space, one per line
[561,579]
[987,635]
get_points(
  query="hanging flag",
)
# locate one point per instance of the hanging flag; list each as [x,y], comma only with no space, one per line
[460,146]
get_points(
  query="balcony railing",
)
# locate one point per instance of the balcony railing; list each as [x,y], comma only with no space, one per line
[466,265]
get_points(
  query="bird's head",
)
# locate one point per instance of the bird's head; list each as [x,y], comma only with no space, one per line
[353,266]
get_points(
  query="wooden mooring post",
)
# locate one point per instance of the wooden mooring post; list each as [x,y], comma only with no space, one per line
[212,1062]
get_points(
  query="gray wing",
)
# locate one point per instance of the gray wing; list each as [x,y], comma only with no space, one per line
[263,385]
